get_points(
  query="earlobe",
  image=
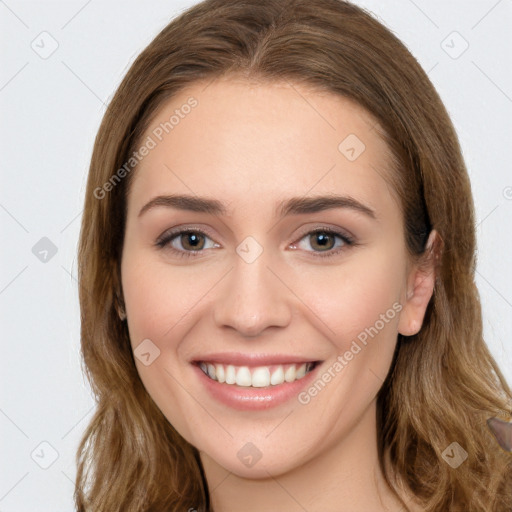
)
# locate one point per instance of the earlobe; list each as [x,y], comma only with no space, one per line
[119,307]
[420,289]
[121,313]
[118,298]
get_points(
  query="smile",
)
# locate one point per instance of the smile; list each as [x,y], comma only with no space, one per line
[256,377]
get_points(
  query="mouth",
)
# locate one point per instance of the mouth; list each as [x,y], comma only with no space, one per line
[263,376]
[254,382]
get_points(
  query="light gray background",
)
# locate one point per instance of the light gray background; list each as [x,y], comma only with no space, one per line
[50,110]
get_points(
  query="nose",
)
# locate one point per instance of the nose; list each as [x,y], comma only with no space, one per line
[253,298]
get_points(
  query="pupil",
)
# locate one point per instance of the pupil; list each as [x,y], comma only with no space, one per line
[323,239]
[193,240]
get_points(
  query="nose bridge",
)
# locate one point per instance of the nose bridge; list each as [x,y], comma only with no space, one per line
[252,297]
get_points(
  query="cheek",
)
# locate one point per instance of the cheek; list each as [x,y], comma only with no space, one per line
[158,296]
[360,310]
[159,301]
[358,296]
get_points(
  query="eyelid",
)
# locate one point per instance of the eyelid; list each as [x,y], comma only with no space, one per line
[329,229]
[171,233]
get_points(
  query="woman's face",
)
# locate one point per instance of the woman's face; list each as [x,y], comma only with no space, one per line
[276,246]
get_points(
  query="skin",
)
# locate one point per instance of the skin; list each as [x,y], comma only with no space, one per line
[251,145]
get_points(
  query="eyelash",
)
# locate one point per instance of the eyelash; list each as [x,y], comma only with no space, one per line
[165,239]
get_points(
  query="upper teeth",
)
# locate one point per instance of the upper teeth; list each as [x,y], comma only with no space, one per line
[261,377]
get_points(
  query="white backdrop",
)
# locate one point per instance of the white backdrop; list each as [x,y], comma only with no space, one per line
[61,63]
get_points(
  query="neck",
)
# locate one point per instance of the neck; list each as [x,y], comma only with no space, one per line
[344,476]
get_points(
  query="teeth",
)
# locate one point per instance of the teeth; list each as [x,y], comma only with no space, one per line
[277,376]
[219,372]
[230,374]
[243,376]
[260,377]
[289,374]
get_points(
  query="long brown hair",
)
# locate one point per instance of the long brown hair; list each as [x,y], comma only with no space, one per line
[443,384]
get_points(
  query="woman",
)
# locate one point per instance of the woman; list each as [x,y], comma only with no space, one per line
[277,277]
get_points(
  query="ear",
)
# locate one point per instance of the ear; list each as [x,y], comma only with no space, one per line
[420,287]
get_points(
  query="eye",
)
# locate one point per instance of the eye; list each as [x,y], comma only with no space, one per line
[186,242]
[326,241]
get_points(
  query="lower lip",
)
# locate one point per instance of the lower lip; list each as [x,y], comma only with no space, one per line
[254,399]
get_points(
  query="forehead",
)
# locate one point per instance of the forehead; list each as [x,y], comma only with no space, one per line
[240,140]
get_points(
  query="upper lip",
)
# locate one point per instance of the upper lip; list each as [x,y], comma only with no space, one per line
[240,359]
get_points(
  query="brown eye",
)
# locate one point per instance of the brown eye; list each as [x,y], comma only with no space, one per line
[186,242]
[192,241]
[322,240]
[325,242]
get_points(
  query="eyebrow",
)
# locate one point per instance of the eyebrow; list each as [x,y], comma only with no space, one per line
[292,206]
